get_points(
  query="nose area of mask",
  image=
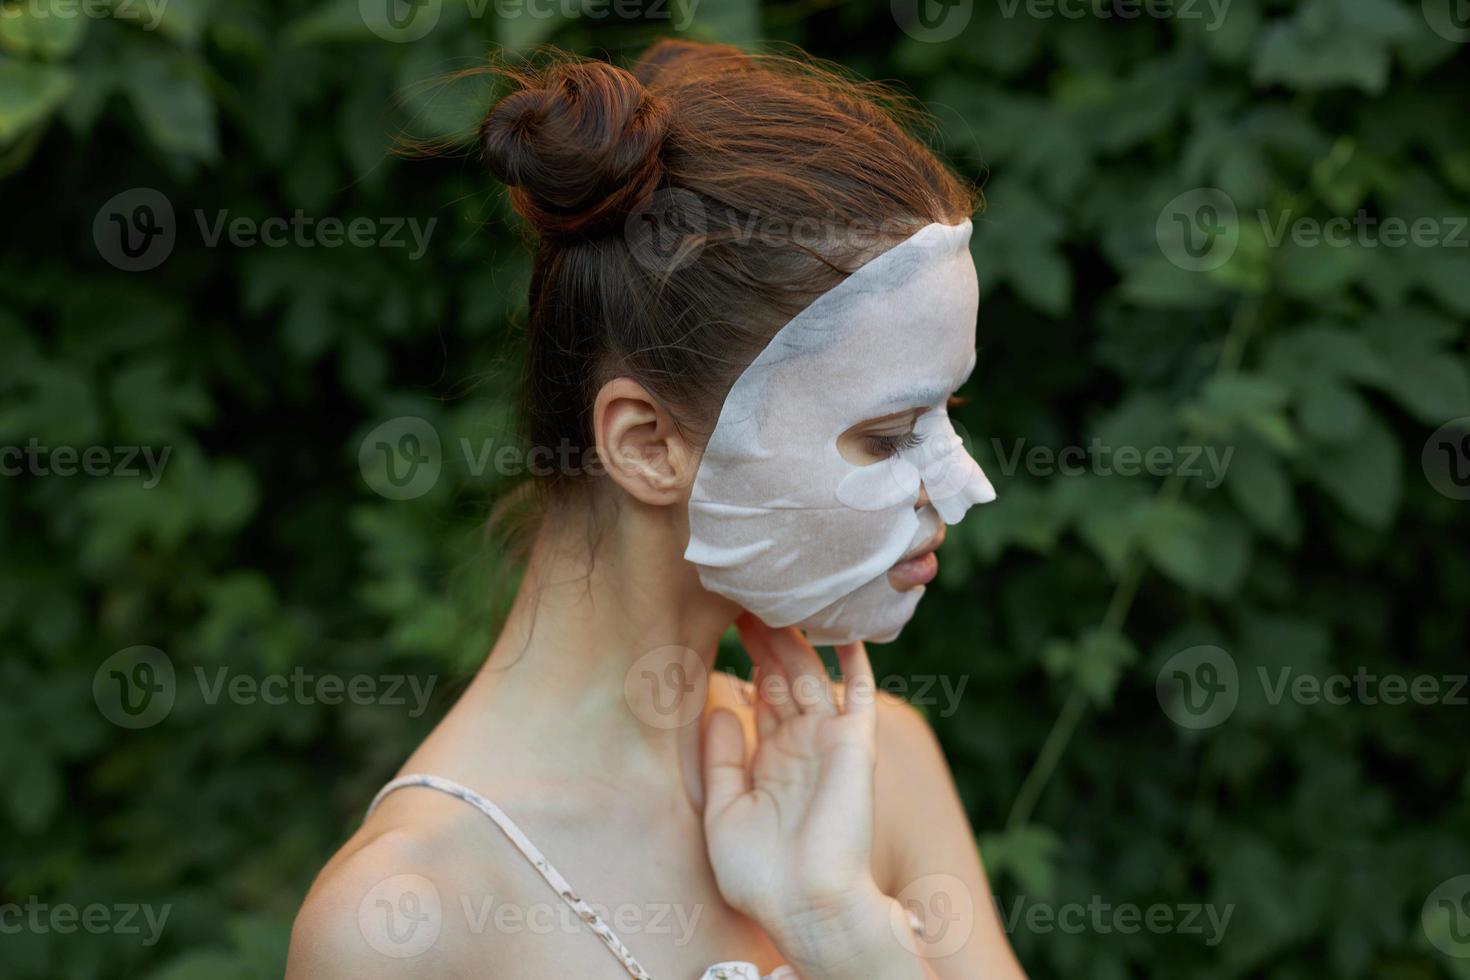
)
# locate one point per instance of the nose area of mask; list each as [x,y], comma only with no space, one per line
[940,464]
[950,475]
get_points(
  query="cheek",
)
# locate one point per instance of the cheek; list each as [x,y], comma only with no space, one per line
[892,482]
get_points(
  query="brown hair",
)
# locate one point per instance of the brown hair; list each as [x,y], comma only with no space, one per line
[684,210]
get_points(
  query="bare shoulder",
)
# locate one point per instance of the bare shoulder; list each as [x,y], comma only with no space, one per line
[387,905]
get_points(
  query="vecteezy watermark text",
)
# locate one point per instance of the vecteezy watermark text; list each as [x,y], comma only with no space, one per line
[136,230]
[137,688]
[405,21]
[1211,11]
[96,918]
[1199,230]
[1200,687]
[1103,917]
[35,459]
[147,14]
[402,916]
[1103,460]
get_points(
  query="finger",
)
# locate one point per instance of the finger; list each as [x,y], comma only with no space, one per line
[859,689]
[811,687]
[775,694]
[725,777]
[773,687]
[766,720]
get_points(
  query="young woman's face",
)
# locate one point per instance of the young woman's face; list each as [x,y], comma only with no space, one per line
[834,460]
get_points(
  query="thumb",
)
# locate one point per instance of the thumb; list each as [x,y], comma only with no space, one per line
[725,776]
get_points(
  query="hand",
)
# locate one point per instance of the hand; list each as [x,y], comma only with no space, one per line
[790,832]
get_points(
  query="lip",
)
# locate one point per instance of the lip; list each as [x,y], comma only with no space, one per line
[919,567]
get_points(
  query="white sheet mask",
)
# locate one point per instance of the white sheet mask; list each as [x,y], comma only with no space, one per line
[779,521]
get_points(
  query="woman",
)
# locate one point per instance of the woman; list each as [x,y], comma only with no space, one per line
[752,297]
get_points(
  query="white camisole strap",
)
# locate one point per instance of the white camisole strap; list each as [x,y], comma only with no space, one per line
[523,844]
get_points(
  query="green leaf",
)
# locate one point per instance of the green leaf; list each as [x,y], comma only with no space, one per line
[1159,284]
[41,28]
[29,93]
[1260,487]
[1443,274]
[170,97]
[728,22]
[182,20]
[1365,476]
[1029,853]
[1043,279]
[32,788]
[1205,554]
[1331,411]
[1102,655]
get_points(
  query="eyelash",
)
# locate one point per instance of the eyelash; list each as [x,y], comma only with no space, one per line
[884,446]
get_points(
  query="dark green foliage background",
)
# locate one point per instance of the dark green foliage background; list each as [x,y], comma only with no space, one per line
[263,548]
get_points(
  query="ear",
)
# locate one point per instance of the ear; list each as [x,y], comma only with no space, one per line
[639,445]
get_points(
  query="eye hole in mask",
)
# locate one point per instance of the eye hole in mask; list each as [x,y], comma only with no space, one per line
[874,440]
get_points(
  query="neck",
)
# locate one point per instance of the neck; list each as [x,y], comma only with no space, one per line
[610,637]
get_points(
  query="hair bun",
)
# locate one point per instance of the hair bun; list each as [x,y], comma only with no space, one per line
[577,143]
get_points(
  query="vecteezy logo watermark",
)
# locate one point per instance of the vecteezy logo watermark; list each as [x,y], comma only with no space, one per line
[1446,917]
[668,232]
[34,459]
[1450,19]
[667,687]
[1104,918]
[400,21]
[402,458]
[401,916]
[934,916]
[135,230]
[96,918]
[1446,459]
[933,21]
[135,688]
[138,687]
[1198,687]
[1206,462]
[1198,230]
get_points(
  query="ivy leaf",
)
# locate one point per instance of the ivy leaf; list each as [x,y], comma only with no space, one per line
[1331,411]
[1365,477]
[1102,656]
[37,28]
[176,109]
[29,92]
[1207,555]
[1260,487]
[1029,853]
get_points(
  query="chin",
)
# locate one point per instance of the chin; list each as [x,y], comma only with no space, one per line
[875,613]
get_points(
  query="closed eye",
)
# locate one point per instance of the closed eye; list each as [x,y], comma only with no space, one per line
[883,446]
